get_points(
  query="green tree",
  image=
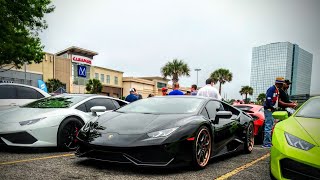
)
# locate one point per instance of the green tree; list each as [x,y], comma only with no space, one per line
[94,86]
[20,24]
[175,69]
[222,76]
[54,84]
[246,90]
[261,98]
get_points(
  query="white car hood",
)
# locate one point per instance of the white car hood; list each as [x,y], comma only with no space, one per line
[22,114]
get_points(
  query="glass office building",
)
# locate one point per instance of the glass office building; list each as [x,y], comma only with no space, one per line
[282,59]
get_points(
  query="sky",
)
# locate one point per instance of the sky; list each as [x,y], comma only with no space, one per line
[139,37]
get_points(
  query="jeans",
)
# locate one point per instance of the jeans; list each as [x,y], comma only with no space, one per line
[268,124]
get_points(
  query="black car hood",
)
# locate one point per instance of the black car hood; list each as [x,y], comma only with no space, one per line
[138,123]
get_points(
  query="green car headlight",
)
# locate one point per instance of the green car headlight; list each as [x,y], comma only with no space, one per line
[297,142]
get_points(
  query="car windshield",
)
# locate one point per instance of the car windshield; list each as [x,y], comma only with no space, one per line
[310,109]
[167,105]
[55,102]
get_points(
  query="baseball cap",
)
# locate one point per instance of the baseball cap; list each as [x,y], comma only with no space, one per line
[287,81]
[164,89]
[279,80]
[132,90]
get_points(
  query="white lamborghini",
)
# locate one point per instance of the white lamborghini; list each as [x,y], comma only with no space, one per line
[52,121]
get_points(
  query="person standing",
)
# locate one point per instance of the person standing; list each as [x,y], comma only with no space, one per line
[132,96]
[270,105]
[209,91]
[176,90]
[284,101]
[194,90]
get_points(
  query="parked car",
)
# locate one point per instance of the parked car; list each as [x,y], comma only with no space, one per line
[257,113]
[162,131]
[12,94]
[52,121]
[295,151]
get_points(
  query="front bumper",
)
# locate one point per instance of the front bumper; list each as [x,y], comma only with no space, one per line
[155,155]
[12,134]
[288,162]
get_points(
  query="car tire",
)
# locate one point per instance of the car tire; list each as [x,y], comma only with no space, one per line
[249,139]
[67,132]
[201,151]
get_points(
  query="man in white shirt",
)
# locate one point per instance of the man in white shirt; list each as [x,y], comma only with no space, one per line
[209,90]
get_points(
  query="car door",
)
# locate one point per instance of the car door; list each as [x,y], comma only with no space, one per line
[223,129]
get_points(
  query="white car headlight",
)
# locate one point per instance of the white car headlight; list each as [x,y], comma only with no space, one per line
[162,133]
[32,121]
[297,142]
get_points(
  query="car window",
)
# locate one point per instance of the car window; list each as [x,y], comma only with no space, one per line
[121,103]
[205,113]
[234,111]
[82,107]
[100,102]
[310,109]
[212,108]
[27,93]
[8,92]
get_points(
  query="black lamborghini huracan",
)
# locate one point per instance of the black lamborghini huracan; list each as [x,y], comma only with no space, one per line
[162,131]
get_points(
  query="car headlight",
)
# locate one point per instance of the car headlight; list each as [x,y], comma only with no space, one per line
[29,122]
[297,142]
[162,133]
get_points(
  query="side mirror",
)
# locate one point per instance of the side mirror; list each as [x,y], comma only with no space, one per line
[222,115]
[280,115]
[96,109]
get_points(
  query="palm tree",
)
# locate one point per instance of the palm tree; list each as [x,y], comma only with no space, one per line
[94,86]
[54,84]
[261,98]
[246,90]
[175,69]
[222,76]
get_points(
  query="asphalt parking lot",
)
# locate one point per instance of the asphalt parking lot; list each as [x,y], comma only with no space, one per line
[49,164]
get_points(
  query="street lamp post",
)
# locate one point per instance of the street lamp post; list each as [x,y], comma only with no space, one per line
[197,74]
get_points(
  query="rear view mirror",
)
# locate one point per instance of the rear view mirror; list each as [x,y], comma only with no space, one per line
[280,115]
[96,109]
[222,115]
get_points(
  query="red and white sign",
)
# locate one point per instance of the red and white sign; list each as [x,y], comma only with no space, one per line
[81,59]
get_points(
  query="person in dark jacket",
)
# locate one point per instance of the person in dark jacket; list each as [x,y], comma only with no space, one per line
[284,100]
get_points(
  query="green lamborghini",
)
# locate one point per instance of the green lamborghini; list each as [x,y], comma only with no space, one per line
[295,151]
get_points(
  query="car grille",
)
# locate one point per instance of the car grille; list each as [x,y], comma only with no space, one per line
[295,170]
[19,138]
[137,155]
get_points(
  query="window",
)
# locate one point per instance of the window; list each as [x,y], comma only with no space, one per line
[8,92]
[108,79]
[102,78]
[212,108]
[119,103]
[116,80]
[161,85]
[205,113]
[27,93]
[82,108]
[100,102]
[96,76]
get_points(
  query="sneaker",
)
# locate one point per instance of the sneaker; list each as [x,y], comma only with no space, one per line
[266,146]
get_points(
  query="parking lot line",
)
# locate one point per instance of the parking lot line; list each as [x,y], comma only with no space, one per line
[241,168]
[35,159]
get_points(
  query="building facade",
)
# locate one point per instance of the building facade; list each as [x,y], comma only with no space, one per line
[282,59]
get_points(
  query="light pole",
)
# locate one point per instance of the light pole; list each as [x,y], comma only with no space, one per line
[197,74]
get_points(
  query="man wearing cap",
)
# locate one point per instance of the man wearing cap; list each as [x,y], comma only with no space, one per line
[164,91]
[270,105]
[284,101]
[132,96]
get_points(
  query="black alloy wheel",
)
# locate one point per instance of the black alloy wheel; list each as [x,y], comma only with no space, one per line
[249,139]
[202,148]
[67,134]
